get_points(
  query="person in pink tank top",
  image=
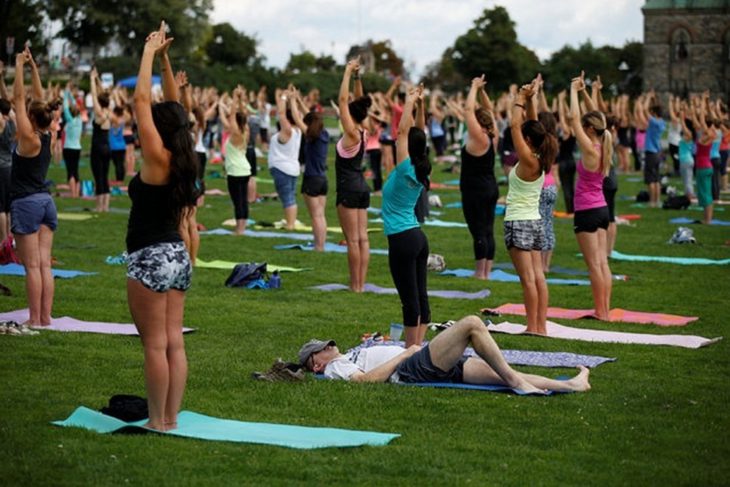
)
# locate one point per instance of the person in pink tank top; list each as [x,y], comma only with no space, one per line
[591,211]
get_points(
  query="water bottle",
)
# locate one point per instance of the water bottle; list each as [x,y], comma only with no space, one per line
[275,280]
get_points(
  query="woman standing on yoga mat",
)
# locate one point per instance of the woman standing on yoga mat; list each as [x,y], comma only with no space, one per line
[100,153]
[32,211]
[159,270]
[523,231]
[479,191]
[353,192]
[591,218]
[407,244]
[72,142]
[238,169]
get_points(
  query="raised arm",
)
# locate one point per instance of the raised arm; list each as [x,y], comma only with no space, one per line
[526,157]
[36,93]
[420,108]
[295,103]
[542,104]
[597,88]
[406,122]
[477,142]
[563,112]
[584,142]
[351,136]
[685,130]
[282,100]
[531,101]
[588,100]
[672,114]
[358,91]
[392,89]
[186,93]
[3,88]
[169,86]
[28,142]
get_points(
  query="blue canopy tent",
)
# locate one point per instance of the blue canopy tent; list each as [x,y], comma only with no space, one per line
[131,82]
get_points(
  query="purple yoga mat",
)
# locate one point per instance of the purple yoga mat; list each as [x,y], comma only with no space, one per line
[372,288]
[66,323]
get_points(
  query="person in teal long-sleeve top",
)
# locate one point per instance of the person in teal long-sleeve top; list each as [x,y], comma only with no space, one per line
[72,144]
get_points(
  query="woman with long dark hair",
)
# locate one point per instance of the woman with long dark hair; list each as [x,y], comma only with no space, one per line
[407,244]
[523,230]
[353,192]
[159,270]
[479,191]
[33,215]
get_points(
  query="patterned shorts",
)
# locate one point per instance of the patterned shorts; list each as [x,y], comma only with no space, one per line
[161,267]
[548,197]
[524,234]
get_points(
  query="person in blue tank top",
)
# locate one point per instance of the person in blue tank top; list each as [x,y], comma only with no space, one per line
[117,146]
[32,211]
[159,269]
[407,244]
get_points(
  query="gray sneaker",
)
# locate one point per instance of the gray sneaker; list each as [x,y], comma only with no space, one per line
[281,371]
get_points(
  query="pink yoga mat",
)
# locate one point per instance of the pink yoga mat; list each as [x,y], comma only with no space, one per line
[560,331]
[66,323]
[616,314]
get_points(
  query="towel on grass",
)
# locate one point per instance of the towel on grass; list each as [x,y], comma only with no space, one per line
[555,330]
[372,288]
[66,323]
[616,255]
[75,217]
[615,314]
[682,220]
[498,275]
[19,270]
[519,357]
[328,247]
[200,426]
[228,265]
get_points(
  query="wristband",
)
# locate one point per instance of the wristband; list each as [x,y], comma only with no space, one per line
[518,105]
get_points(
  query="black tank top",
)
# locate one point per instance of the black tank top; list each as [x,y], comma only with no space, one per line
[151,219]
[566,149]
[28,174]
[349,172]
[477,172]
[99,137]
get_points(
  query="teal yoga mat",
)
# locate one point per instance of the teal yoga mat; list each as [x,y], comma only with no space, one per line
[200,426]
[668,260]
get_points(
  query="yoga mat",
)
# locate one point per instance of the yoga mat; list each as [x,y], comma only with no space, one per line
[556,269]
[19,270]
[521,357]
[502,276]
[372,288]
[689,221]
[200,426]
[616,314]
[431,222]
[66,323]
[228,265]
[75,217]
[555,330]
[328,247]
[668,260]
[260,234]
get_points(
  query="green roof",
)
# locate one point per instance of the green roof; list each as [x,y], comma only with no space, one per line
[685,4]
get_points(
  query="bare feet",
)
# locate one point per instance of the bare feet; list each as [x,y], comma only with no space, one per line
[170,425]
[480,276]
[525,387]
[579,383]
[155,427]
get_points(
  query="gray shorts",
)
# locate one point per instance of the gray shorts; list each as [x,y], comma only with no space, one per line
[161,267]
[419,368]
[524,234]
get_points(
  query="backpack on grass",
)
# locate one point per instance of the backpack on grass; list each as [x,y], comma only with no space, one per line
[244,274]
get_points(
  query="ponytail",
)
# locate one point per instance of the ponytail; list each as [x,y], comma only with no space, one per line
[417,152]
[547,152]
[607,151]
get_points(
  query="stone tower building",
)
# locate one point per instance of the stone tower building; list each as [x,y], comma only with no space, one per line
[687,46]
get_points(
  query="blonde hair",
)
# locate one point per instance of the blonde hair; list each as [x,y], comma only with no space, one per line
[597,121]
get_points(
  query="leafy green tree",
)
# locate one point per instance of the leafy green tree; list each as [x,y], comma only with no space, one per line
[386,59]
[225,45]
[21,19]
[303,62]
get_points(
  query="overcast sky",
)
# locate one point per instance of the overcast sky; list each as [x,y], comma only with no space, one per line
[420,30]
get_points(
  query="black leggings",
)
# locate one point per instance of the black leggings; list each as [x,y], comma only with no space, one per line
[100,168]
[118,160]
[478,208]
[407,258]
[71,160]
[238,189]
[375,155]
[566,172]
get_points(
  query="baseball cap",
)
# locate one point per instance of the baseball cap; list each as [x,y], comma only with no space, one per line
[313,346]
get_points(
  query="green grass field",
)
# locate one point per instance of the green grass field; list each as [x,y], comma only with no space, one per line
[657,416]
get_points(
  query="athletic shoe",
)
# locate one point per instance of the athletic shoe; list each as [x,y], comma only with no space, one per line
[281,371]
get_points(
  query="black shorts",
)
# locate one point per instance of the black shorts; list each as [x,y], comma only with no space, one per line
[652,161]
[264,134]
[353,199]
[419,368]
[590,220]
[314,185]
[129,139]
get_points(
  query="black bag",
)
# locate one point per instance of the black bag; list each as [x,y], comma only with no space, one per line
[643,196]
[127,408]
[676,203]
[242,274]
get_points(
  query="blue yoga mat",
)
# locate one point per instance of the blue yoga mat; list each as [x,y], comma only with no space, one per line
[499,210]
[683,220]
[328,247]
[499,275]
[200,426]
[556,269]
[19,270]
[668,260]
[261,234]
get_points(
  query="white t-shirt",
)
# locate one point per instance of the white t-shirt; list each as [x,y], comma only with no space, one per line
[363,360]
[675,133]
[285,157]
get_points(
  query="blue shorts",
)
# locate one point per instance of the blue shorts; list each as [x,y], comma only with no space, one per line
[161,267]
[286,187]
[28,213]
[419,368]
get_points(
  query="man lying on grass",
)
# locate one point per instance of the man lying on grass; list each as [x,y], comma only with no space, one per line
[442,360]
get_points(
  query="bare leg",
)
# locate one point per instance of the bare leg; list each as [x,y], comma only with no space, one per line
[542,292]
[611,237]
[348,222]
[480,270]
[524,265]
[240,226]
[251,189]
[364,243]
[106,199]
[149,312]
[707,212]
[593,246]
[477,371]
[28,247]
[316,206]
[45,242]
[176,357]
[547,256]
[3,226]
[448,348]
[290,214]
